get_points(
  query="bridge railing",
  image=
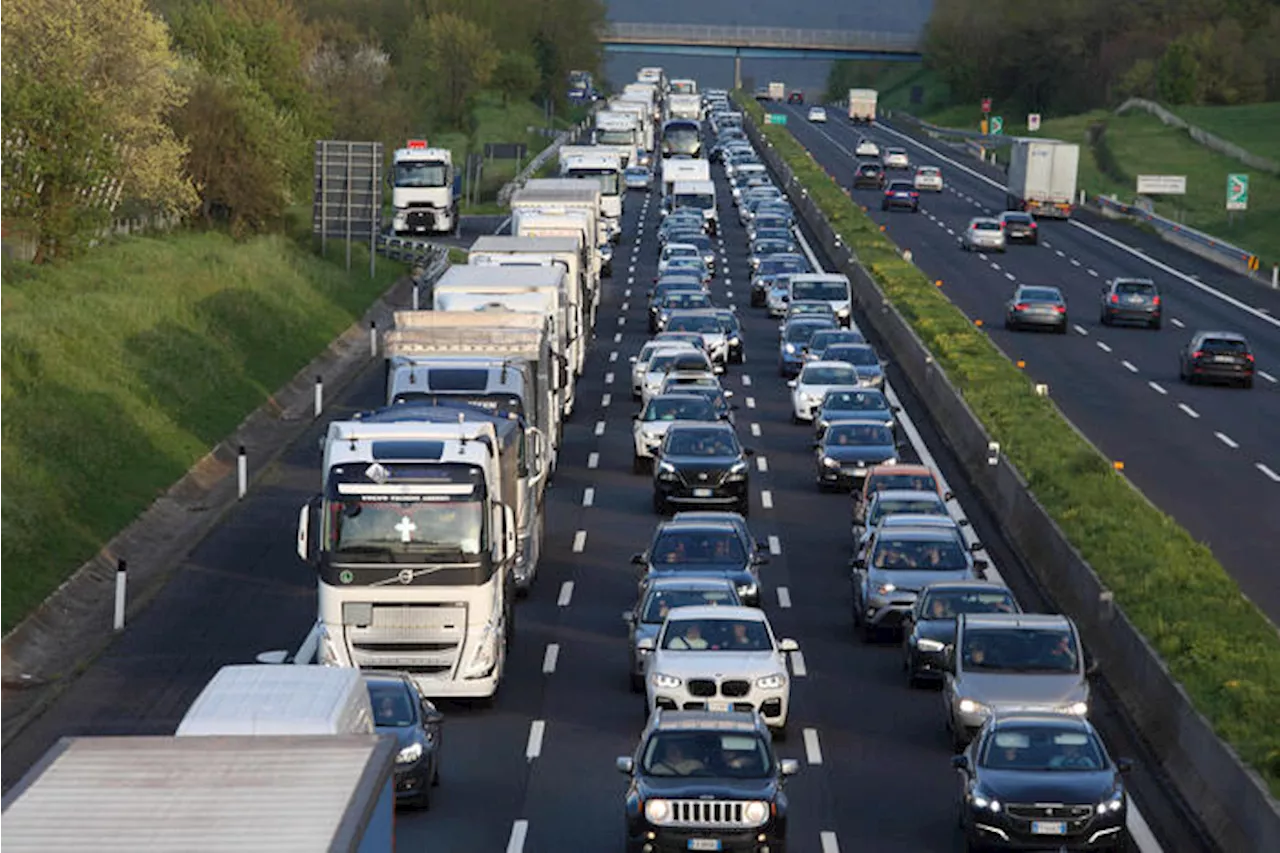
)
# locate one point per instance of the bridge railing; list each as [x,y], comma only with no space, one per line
[779,37]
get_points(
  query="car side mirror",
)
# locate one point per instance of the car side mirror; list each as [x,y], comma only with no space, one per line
[982,566]
[789,766]
[1124,765]
[760,560]
[728,395]
[815,444]
[431,716]
[645,644]
[964,522]
[638,560]
[273,657]
[791,383]
[632,359]
[948,496]
[895,408]
[960,762]
[748,451]
[628,617]
[1091,667]
[975,546]
[857,563]
[625,764]
[788,645]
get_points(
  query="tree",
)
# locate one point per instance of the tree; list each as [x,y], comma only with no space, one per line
[86,89]
[1177,76]
[460,61]
[516,76]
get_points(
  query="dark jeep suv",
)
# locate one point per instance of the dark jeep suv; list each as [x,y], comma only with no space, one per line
[705,781]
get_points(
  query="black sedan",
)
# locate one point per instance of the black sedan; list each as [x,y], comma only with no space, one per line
[901,194]
[704,547]
[762,248]
[400,710]
[1019,227]
[931,625]
[702,466]
[703,780]
[1036,306]
[868,176]
[848,449]
[1042,781]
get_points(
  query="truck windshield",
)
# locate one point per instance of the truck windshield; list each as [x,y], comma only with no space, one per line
[681,138]
[827,291]
[608,180]
[700,201]
[615,137]
[423,175]
[442,529]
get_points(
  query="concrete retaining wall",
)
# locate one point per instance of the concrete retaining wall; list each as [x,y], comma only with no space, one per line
[1230,800]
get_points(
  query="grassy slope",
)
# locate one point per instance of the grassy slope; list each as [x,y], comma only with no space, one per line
[124,367]
[1254,127]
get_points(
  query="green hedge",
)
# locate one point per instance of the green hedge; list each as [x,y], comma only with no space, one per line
[1216,642]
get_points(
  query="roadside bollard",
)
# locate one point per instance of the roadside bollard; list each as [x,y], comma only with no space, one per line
[373,339]
[118,622]
[319,395]
[242,472]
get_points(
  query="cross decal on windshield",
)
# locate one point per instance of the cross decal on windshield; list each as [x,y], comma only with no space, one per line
[405,527]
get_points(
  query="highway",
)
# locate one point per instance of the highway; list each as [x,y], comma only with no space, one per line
[536,771]
[1208,456]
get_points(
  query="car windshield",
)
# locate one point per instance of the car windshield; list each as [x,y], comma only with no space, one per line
[707,754]
[855,401]
[391,705]
[851,435]
[1043,650]
[799,333]
[728,323]
[1039,294]
[667,409]
[927,172]
[691,261]
[702,442]
[1039,749]
[829,291]
[769,247]
[771,222]
[1020,218]
[441,528]
[700,201]
[810,308]
[919,554]
[698,547]
[661,601]
[716,635]
[713,393]
[917,507]
[860,356]
[663,360]
[681,337]
[904,482]
[638,172]
[695,323]
[950,603]
[814,375]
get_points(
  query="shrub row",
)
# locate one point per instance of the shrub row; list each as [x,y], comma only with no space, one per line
[1215,641]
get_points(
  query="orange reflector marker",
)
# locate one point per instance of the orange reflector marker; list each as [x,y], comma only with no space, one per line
[1119,466]
[882,229]
[938,283]
[977,322]
[1021,364]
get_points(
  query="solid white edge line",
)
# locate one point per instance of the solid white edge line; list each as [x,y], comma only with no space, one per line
[784,597]
[798,667]
[549,659]
[588,496]
[520,829]
[579,541]
[534,747]
[566,594]
[812,749]
[1160,265]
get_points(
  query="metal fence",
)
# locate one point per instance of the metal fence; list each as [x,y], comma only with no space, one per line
[775,37]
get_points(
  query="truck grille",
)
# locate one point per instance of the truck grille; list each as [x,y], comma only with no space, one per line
[717,814]
[425,639]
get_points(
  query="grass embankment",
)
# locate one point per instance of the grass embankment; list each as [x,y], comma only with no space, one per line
[124,367]
[1215,642]
[1254,127]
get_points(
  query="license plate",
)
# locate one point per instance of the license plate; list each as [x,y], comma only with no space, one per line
[702,493]
[1135,300]
[704,844]
[717,706]
[1225,359]
[1048,827]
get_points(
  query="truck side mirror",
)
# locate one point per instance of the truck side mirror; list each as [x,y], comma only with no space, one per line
[509,531]
[308,530]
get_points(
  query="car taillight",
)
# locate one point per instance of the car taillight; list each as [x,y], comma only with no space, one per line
[1249,356]
[1115,298]
[974,227]
[1198,354]
[1061,309]
[1021,306]
[1155,300]
[915,194]
[1033,225]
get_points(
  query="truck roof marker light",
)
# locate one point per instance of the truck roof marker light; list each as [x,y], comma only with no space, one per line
[417,144]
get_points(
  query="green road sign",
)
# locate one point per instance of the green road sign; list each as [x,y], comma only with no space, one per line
[1237,192]
[775,118]
[997,125]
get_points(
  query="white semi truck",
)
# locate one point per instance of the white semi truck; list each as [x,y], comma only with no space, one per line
[862,105]
[414,538]
[619,131]
[603,165]
[1042,177]
[649,118]
[698,195]
[684,106]
[680,170]
[424,190]
[562,252]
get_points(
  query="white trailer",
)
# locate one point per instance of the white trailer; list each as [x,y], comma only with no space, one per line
[603,165]
[619,131]
[1043,177]
[862,105]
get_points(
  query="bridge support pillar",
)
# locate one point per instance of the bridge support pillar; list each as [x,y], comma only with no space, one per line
[737,69]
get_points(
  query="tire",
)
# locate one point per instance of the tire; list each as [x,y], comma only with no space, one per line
[659,504]
[1157,324]
[423,801]
[1248,383]
[638,465]
[637,683]
[743,507]
[870,633]
[779,734]
[1062,330]
[1009,325]
[435,773]
[1103,319]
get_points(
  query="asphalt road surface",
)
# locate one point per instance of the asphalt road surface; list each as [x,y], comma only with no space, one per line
[1207,455]
[536,771]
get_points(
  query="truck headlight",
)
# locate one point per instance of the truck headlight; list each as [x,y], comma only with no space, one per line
[1079,709]
[409,754]
[486,654]
[661,681]
[657,811]
[772,682]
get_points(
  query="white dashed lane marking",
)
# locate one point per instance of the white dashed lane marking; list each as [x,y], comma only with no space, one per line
[534,748]
[588,496]
[812,749]
[1266,376]
[775,545]
[1082,330]
[579,541]
[829,843]
[761,464]
[798,668]
[1275,478]
[751,402]
[1175,321]
[1103,347]
[599,427]
[755,430]
[549,659]
[593,460]
[784,597]
[1157,388]
[766,499]
[520,829]
[1129,367]
[1190,412]
[566,594]
[1227,440]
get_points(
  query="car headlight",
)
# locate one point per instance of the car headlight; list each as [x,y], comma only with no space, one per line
[772,682]
[968,706]
[982,801]
[755,811]
[790,349]
[892,460]
[1079,709]
[885,588]
[748,591]
[842,312]
[739,468]
[807,397]
[924,644]
[409,754]
[828,462]
[662,681]
[657,811]
[666,470]
[1114,803]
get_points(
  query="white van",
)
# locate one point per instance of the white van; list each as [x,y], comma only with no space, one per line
[273,699]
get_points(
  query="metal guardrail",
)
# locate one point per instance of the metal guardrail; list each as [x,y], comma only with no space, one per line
[771,37]
[565,137]
[417,250]
[1248,261]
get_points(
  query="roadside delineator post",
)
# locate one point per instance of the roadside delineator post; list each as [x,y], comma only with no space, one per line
[373,339]
[319,395]
[242,472]
[121,581]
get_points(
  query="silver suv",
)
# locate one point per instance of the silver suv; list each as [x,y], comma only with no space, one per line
[1005,663]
